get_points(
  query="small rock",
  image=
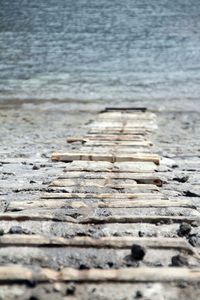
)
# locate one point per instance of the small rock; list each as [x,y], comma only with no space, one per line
[194,240]
[32,181]
[83,267]
[35,167]
[138,295]
[141,233]
[16,230]
[70,290]
[179,261]
[181,179]
[1,231]
[184,229]
[138,252]
[190,194]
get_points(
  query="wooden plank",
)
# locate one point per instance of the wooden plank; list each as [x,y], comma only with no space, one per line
[137,157]
[132,144]
[103,166]
[65,203]
[114,150]
[104,242]
[112,131]
[139,188]
[113,138]
[126,116]
[105,196]
[20,274]
[41,215]
[147,178]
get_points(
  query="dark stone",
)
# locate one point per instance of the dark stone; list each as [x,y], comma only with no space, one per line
[141,233]
[35,167]
[137,252]
[32,181]
[179,261]
[83,267]
[110,264]
[16,230]
[70,290]
[184,229]
[1,231]
[190,194]
[181,179]
[194,240]
[138,295]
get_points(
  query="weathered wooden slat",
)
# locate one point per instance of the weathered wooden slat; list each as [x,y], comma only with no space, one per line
[147,178]
[20,274]
[94,182]
[41,215]
[114,150]
[131,144]
[108,138]
[113,196]
[137,157]
[104,242]
[60,203]
[126,116]
[113,131]
[107,189]
[103,166]
[124,125]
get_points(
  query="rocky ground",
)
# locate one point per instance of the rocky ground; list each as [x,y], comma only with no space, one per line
[30,132]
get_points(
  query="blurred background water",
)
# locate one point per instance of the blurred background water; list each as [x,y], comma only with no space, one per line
[100,49]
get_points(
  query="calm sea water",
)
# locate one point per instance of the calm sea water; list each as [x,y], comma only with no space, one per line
[94,49]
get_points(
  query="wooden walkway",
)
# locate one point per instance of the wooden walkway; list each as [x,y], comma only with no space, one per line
[99,209]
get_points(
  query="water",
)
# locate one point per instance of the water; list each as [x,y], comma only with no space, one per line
[100,49]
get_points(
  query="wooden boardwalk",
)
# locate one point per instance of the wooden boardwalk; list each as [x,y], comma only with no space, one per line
[91,223]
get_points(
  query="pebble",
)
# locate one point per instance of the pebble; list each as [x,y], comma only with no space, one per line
[1,231]
[194,240]
[184,229]
[35,167]
[70,290]
[138,295]
[138,252]
[181,179]
[141,233]
[16,230]
[179,261]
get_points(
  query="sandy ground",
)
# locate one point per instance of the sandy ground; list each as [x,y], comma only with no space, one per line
[30,132]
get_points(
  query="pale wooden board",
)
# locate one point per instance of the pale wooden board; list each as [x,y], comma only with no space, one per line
[139,188]
[104,242]
[131,144]
[65,203]
[137,157]
[112,131]
[146,178]
[106,196]
[41,215]
[20,274]
[103,166]
[126,116]
[114,150]
[107,138]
